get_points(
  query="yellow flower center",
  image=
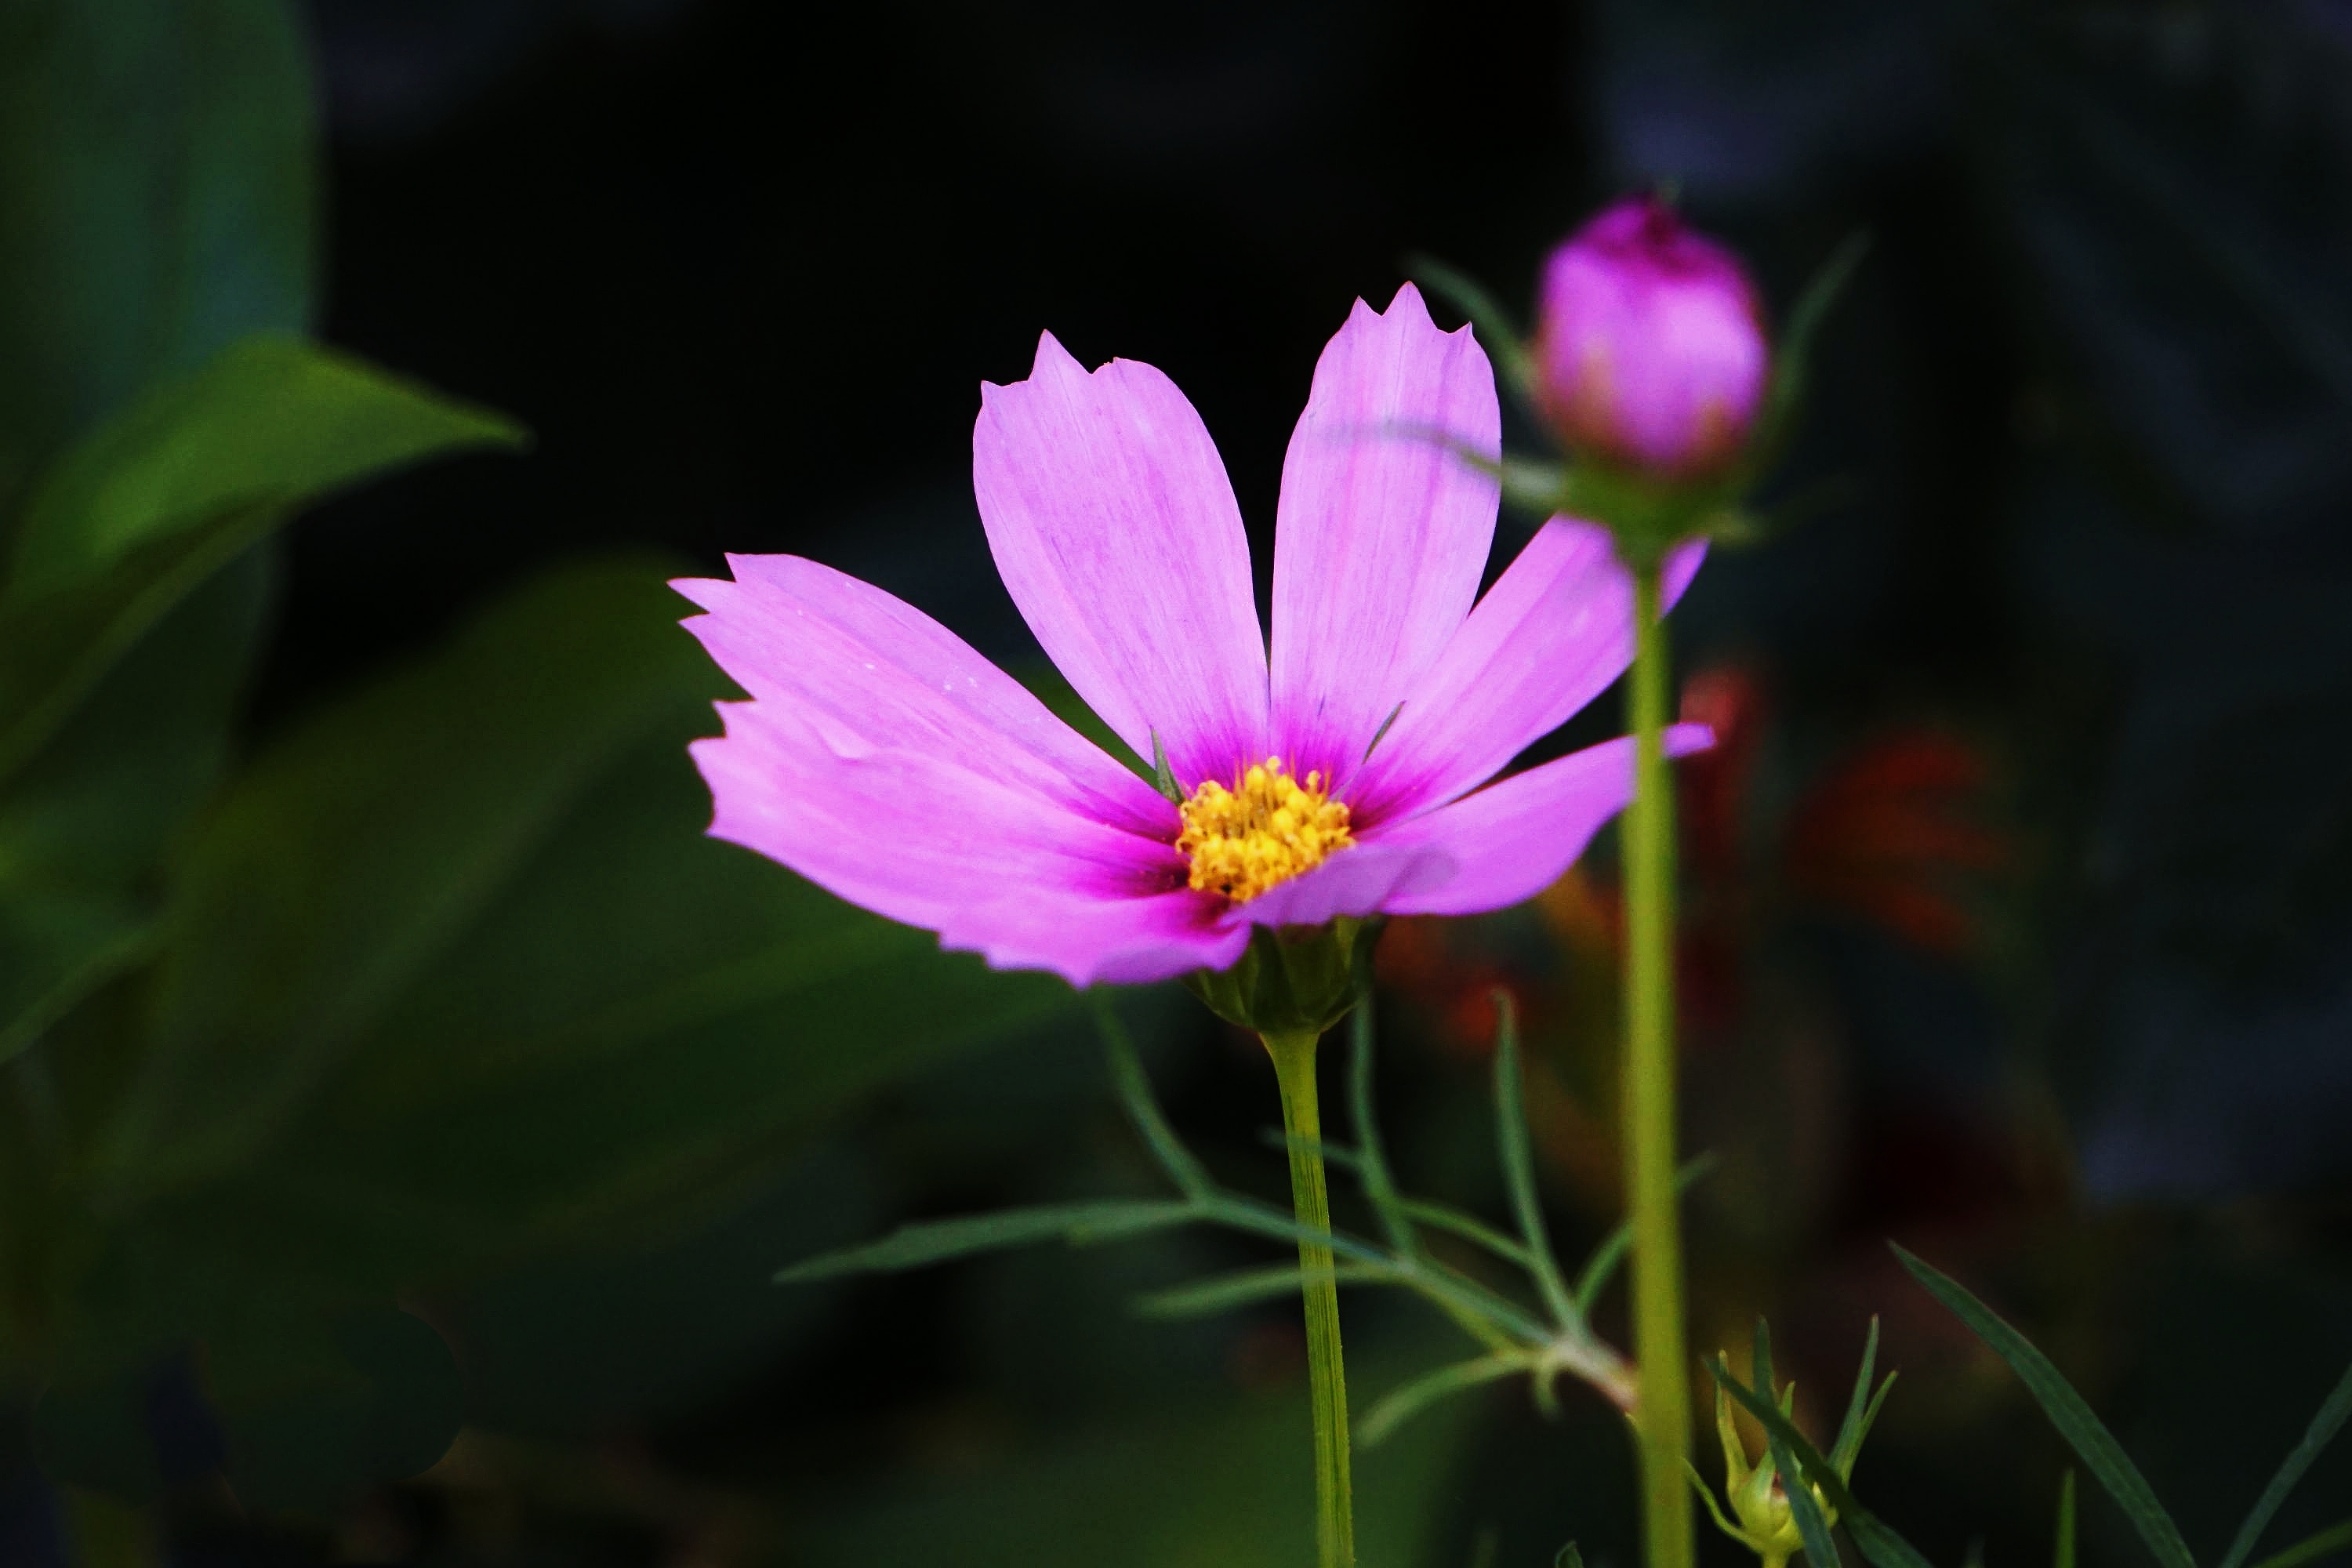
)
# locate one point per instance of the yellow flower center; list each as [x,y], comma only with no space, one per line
[1265,830]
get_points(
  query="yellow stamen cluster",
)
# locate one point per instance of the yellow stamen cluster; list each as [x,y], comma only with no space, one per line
[1264,831]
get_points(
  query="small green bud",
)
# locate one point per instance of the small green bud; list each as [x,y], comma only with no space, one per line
[1760,1518]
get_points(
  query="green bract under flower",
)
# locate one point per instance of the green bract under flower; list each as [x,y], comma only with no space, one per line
[1292,979]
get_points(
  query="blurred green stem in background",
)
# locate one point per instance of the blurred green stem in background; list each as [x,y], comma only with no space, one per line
[1662,1418]
[1294,1066]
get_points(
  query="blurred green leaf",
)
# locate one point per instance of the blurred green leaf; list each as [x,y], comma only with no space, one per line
[2336,1538]
[1862,1407]
[84,824]
[452,974]
[120,666]
[1784,402]
[157,188]
[1247,1287]
[1610,1256]
[1228,1488]
[1519,1163]
[144,511]
[2333,1411]
[568,1346]
[90,1431]
[2067,1411]
[270,424]
[317,1412]
[310,1409]
[926,1242]
[1400,1404]
[106,1533]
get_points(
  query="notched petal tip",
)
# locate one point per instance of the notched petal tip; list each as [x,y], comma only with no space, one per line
[1051,356]
[1408,302]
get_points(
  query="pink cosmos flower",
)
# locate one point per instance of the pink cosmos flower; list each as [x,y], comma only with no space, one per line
[1650,344]
[882,758]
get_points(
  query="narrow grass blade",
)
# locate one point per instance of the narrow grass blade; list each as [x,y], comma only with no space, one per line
[1610,1256]
[1794,354]
[1453,1293]
[1135,1094]
[1519,1165]
[1372,1163]
[1403,1403]
[2061,1555]
[2336,1538]
[1879,1543]
[1496,333]
[2090,1439]
[940,1240]
[1276,1281]
[1860,1409]
[1812,1528]
[2333,1412]
[1469,1228]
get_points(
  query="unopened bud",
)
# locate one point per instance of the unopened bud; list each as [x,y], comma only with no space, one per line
[1650,345]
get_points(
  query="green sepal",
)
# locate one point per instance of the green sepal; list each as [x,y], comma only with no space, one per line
[1293,979]
[1163,777]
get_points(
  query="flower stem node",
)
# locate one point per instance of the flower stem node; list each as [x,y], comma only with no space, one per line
[1293,979]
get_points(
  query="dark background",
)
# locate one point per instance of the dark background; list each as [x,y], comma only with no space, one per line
[2025,933]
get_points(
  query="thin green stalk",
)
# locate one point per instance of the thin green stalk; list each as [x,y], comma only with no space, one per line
[1662,1419]
[1334,1525]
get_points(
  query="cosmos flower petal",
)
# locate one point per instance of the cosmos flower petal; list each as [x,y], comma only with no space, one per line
[1551,633]
[1509,842]
[873,673]
[923,840]
[1383,532]
[1362,880]
[1089,940]
[1117,533]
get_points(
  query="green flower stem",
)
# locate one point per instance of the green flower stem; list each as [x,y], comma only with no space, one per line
[1334,1525]
[1662,1418]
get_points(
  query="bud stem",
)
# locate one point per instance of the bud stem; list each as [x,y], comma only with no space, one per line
[1294,1068]
[1662,1418]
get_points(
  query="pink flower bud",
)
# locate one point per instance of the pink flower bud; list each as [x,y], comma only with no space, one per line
[1650,345]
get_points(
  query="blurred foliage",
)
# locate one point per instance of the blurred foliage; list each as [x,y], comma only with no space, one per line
[403,1053]
[440,978]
